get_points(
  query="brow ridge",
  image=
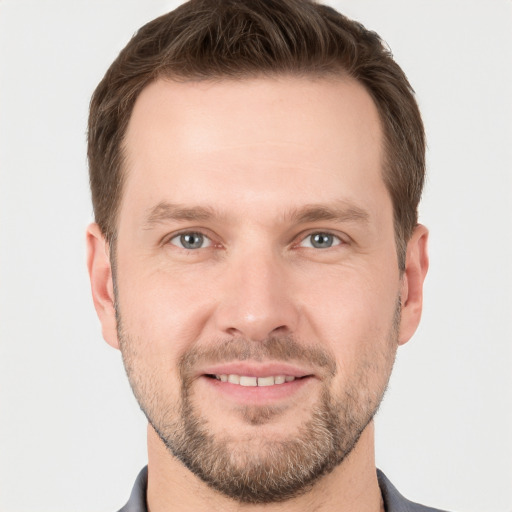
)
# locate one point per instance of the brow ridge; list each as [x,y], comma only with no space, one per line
[342,212]
[165,211]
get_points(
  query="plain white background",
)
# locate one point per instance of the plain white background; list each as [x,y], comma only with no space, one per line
[71,435]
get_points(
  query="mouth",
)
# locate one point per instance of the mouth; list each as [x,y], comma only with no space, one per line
[252,381]
[256,383]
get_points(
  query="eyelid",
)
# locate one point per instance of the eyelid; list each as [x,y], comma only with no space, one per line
[167,240]
[342,240]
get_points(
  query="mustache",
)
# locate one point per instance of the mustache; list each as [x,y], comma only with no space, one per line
[275,348]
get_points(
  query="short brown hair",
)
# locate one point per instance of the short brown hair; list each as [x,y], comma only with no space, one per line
[212,39]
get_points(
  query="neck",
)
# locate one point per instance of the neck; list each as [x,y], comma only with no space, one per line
[351,486]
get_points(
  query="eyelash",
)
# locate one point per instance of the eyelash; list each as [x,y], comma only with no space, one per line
[324,234]
[337,240]
[190,233]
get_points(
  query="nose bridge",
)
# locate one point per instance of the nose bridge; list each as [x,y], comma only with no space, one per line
[256,301]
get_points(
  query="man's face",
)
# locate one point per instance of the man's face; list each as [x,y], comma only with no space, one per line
[257,282]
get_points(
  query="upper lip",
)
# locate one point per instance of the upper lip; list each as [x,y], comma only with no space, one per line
[263,369]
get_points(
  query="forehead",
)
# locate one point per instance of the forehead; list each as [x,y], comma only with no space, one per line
[205,115]
[274,138]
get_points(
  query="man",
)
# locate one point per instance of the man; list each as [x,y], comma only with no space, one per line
[256,169]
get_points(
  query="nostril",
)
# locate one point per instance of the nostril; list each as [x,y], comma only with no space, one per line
[281,330]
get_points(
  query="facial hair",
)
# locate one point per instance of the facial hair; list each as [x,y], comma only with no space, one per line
[261,470]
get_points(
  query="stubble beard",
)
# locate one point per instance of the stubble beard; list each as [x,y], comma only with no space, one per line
[264,470]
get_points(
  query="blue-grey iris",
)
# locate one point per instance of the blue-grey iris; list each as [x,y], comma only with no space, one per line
[322,240]
[192,240]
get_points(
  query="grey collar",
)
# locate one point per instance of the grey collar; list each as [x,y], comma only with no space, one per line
[393,500]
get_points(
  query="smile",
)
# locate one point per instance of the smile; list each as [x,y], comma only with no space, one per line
[251,384]
[245,380]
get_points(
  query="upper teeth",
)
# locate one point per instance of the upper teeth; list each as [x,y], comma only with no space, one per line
[244,380]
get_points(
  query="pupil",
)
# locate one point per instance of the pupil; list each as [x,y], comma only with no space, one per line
[322,240]
[192,241]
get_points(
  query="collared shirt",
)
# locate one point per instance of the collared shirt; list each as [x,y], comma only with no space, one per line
[393,500]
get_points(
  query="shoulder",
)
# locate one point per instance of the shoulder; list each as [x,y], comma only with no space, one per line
[395,502]
[137,501]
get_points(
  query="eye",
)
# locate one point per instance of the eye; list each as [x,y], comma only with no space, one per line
[191,241]
[320,241]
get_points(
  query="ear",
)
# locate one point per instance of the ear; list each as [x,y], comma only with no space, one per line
[416,266]
[102,287]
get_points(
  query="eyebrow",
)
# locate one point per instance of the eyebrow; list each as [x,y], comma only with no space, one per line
[165,211]
[339,212]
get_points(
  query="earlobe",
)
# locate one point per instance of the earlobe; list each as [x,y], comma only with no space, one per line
[100,274]
[416,267]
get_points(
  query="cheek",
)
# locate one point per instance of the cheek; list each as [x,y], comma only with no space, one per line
[164,311]
[353,312]
[349,296]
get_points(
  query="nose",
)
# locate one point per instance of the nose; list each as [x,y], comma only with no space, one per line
[256,300]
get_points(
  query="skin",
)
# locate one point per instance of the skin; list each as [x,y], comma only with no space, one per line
[251,154]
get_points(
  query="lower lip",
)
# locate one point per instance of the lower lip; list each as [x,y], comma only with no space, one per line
[258,395]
